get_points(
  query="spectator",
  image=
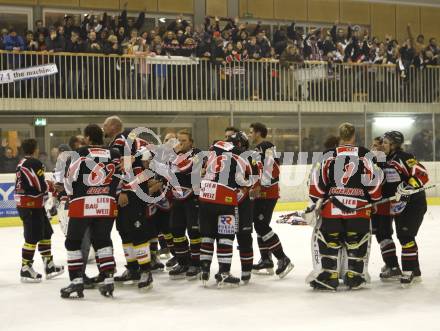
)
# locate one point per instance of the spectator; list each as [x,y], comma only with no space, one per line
[31,44]
[55,41]
[9,161]
[13,42]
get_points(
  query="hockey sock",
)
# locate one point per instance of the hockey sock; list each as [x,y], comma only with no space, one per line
[410,256]
[224,253]
[75,264]
[273,244]
[154,245]
[206,252]
[27,253]
[106,259]
[181,249]
[143,255]
[170,243]
[388,250]
[130,256]
[195,251]
[264,250]
[44,247]
[246,251]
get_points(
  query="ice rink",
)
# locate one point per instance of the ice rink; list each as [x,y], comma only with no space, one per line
[267,303]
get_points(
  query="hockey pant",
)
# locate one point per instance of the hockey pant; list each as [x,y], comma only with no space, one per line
[218,223]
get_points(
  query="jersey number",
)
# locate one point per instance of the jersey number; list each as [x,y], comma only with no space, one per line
[101,174]
[348,172]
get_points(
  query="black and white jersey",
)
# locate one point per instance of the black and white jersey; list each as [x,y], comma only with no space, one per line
[30,183]
[226,172]
[91,182]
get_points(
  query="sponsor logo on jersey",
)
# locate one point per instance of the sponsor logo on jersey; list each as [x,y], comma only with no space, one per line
[346,191]
[97,206]
[98,190]
[209,190]
[228,199]
[347,150]
[99,152]
[40,172]
[226,224]
[411,162]
[349,202]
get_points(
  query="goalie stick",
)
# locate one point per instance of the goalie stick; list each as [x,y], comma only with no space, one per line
[296,217]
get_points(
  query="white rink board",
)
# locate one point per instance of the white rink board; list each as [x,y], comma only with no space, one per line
[265,304]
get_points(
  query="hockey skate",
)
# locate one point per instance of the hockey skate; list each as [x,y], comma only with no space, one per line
[390,274]
[245,277]
[128,277]
[178,272]
[171,263]
[29,275]
[146,281]
[326,281]
[193,273]
[284,267]
[76,286]
[50,269]
[225,279]
[204,277]
[107,287]
[409,278]
[264,267]
[156,265]
[354,280]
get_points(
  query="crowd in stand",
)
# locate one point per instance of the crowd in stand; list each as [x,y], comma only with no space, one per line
[223,42]
[219,39]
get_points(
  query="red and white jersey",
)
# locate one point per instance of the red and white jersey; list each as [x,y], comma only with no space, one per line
[226,173]
[91,182]
[30,183]
[269,170]
[401,167]
[182,166]
[349,175]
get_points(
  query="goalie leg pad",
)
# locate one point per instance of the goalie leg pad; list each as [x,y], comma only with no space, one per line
[357,250]
[329,245]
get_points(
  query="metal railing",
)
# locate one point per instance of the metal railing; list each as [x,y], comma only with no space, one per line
[141,77]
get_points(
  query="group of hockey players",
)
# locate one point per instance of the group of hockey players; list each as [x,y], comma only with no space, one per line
[358,193]
[189,201]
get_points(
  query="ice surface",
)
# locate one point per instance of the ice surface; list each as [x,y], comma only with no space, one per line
[267,303]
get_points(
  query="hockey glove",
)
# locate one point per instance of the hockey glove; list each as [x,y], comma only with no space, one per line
[404,192]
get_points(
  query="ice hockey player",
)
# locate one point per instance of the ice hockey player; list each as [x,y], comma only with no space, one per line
[135,219]
[346,179]
[245,206]
[382,221]
[225,175]
[31,189]
[91,186]
[264,204]
[185,210]
[404,175]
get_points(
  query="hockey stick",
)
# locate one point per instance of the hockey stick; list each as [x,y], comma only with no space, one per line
[296,218]
[377,203]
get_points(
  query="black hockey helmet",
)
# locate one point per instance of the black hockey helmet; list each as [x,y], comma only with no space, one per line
[396,137]
[240,140]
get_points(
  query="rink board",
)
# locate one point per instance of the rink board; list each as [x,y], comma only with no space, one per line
[280,207]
